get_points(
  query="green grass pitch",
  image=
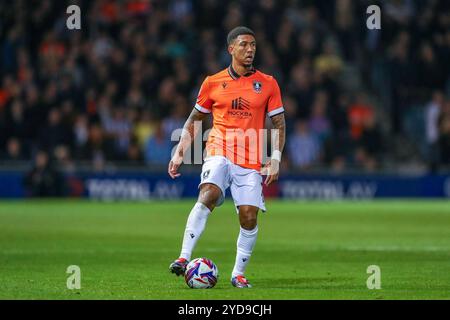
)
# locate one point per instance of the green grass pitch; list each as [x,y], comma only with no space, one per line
[305,250]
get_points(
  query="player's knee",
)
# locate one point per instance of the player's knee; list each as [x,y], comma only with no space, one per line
[248,217]
[209,195]
[248,223]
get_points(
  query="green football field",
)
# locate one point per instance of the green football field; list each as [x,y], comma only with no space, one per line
[305,250]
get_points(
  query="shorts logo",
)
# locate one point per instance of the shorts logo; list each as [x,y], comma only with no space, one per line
[205,174]
[257,86]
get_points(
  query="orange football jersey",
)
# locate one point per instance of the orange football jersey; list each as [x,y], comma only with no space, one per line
[239,106]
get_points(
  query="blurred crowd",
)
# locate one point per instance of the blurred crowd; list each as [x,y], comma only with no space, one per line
[114,91]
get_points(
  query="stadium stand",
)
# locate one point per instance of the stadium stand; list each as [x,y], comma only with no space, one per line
[111,93]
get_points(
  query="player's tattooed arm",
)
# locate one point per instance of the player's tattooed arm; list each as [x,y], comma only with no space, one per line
[272,168]
[190,130]
[279,125]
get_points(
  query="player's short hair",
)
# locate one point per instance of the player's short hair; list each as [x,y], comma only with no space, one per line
[236,32]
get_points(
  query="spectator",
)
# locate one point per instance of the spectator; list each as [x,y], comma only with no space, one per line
[134,155]
[444,135]
[81,131]
[302,88]
[14,150]
[358,114]
[177,117]
[371,142]
[158,147]
[318,122]
[400,11]
[54,133]
[15,122]
[362,160]
[99,148]
[403,75]
[63,160]
[303,146]
[43,180]
[329,62]
[338,114]
[430,73]
[118,128]
[144,128]
[432,112]
[290,111]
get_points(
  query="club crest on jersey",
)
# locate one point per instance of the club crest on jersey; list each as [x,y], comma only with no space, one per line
[257,86]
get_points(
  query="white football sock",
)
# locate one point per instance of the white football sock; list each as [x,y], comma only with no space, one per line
[194,228]
[245,243]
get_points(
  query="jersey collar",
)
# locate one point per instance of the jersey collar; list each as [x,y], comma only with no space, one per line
[234,75]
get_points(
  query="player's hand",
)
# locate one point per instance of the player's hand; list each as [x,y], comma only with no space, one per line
[271,169]
[174,164]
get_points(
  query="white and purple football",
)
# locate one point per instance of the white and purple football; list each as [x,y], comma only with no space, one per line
[201,273]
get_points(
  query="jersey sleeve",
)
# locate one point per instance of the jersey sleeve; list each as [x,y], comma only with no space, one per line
[275,104]
[204,103]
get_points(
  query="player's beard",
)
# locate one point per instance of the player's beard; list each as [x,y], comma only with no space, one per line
[247,65]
